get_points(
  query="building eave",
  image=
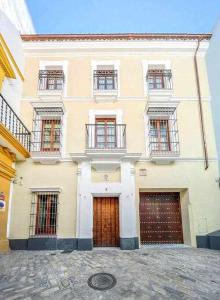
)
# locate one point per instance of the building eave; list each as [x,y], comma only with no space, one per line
[116,36]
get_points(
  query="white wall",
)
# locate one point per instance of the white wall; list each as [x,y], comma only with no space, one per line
[213,67]
[12,88]
[18,13]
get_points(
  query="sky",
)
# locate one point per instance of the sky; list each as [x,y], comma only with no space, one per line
[124,16]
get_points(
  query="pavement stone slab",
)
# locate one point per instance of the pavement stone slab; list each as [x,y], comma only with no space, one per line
[147,273]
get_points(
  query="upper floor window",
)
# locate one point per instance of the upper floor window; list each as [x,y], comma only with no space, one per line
[105,133]
[159,78]
[47,130]
[105,78]
[51,79]
[163,132]
[160,135]
[51,134]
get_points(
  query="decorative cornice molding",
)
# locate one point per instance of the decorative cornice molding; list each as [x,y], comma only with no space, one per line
[6,171]
[6,134]
[117,36]
[5,53]
[5,151]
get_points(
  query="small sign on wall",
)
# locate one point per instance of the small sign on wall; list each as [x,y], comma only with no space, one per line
[2,202]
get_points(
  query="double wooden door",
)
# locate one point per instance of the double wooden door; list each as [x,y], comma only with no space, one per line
[160,218]
[106,222]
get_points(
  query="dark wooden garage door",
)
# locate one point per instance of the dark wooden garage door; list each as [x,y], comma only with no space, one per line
[106,222]
[160,218]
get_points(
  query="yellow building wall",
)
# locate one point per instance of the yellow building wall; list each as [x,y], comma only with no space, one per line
[7,172]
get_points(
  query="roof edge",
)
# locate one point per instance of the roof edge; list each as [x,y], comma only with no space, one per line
[116,36]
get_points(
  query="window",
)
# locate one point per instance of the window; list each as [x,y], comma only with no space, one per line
[47,130]
[163,131]
[43,219]
[105,133]
[159,78]
[51,79]
[160,135]
[105,78]
[51,131]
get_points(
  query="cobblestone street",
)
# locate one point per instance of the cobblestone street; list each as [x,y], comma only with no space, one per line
[148,273]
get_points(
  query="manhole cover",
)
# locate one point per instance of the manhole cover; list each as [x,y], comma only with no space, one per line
[102,281]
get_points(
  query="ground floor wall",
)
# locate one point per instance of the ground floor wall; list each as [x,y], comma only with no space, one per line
[77,185]
[7,172]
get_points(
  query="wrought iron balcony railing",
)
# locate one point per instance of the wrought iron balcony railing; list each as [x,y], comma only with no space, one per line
[51,80]
[47,142]
[105,80]
[159,80]
[106,136]
[14,124]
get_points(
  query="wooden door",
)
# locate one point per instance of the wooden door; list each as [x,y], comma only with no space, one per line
[160,218]
[106,222]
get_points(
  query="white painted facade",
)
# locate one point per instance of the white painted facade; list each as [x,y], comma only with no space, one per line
[17,12]
[12,88]
[213,68]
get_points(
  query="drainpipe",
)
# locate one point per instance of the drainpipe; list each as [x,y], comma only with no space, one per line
[200,106]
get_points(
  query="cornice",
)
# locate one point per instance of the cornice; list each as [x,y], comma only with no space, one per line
[6,134]
[7,65]
[5,151]
[116,36]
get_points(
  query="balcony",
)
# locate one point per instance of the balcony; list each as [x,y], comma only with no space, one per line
[105,85]
[107,139]
[51,82]
[11,123]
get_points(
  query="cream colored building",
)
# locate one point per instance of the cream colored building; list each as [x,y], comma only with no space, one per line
[123,147]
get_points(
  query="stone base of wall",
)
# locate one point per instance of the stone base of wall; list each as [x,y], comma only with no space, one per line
[69,244]
[209,241]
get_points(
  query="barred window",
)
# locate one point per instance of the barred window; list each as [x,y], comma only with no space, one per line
[158,79]
[105,78]
[163,131]
[51,132]
[43,218]
[47,130]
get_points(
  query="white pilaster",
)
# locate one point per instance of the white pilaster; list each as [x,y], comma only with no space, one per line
[84,201]
[128,228]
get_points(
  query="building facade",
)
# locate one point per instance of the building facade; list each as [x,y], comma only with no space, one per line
[18,13]
[123,149]
[14,136]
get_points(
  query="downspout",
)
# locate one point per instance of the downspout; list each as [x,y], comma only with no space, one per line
[200,107]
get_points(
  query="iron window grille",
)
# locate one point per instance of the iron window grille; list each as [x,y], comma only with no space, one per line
[51,80]
[106,136]
[43,215]
[159,79]
[163,132]
[13,123]
[105,79]
[47,130]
